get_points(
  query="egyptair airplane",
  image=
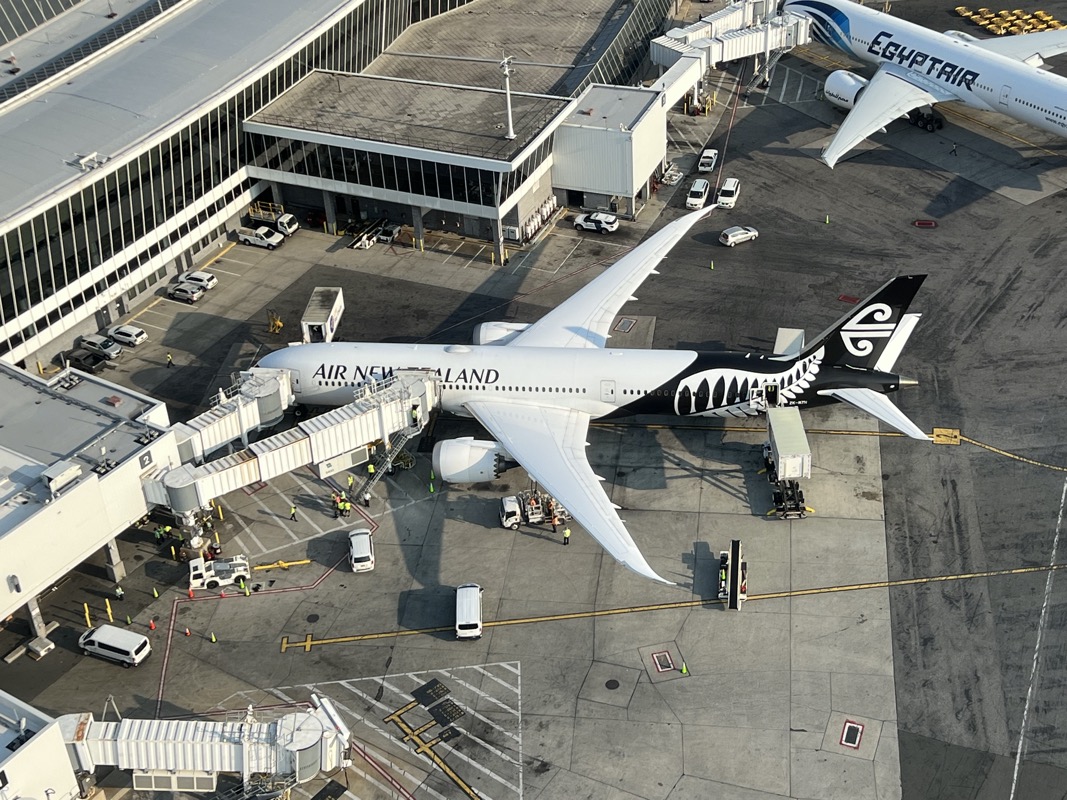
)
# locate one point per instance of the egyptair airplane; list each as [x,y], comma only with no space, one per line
[918,67]
[535,387]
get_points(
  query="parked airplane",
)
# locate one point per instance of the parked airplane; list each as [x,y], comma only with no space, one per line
[535,387]
[918,67]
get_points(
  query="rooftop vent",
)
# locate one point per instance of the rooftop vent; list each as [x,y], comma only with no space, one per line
[90,161]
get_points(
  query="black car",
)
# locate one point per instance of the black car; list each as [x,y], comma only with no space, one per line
[86,361]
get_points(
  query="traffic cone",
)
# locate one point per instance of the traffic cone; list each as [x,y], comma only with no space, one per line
[827,219]
[187,631]
[190,593]
[213,639]
[431,474]
[685,669]
[431,487]
[128,620]
[151,624]
[155,592]
[246,591]
[222,592]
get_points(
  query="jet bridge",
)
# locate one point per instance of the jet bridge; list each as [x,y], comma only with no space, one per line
[189,755]
[380,414]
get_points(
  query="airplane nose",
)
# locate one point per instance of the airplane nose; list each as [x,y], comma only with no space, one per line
[903,382]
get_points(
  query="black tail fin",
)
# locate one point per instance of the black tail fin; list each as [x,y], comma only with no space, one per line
[860,337]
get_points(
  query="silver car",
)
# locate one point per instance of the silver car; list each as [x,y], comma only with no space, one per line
[189,292]
[101,345]
[738,234]
[200,278]
[129,335]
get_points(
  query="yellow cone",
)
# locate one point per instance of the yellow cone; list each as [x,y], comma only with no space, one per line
[155,592]
[685,669]
[213,639]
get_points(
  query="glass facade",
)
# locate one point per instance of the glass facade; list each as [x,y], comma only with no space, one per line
[132,213]
[411,177]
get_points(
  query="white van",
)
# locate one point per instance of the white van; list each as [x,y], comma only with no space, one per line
[469,611]
[116,644]
[361,550]
[698,194]
[731,187]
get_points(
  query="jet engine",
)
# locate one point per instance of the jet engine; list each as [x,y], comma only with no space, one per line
[843,88]
[470,460]
[498,332]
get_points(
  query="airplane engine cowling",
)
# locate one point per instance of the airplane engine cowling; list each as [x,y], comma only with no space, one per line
[843,88]
[469,460]
[498,332]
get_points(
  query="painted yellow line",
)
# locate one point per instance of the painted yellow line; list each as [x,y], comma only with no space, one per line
[148,307]
[308,642]
[1014,456]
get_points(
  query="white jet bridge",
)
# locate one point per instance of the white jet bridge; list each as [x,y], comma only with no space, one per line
[189,755]
[376,425]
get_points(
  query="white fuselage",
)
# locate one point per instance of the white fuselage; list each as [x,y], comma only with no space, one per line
[977,77]
[595,381]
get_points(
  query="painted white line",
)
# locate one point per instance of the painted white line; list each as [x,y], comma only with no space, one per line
[228,260]
[490,675]
[251,535]
[472,258]
[1021,749]
[308,511]
[278,516]
[471,688]
[227,272]
[141,324]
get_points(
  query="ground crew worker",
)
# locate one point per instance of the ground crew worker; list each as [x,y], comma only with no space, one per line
[348,508]
[370,469]
[415,416]
[351,480]
[555,523]
[344,495]
[170,360]
[158,533]
[566,536]
[292,513]
[336,506]
[119,592]
[366,499]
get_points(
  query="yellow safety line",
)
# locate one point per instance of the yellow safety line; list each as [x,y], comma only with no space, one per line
[308,642]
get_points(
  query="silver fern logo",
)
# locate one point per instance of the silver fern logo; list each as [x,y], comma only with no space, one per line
[871,323]
[726,392]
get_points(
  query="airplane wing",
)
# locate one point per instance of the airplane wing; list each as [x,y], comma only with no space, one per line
[891,93]
[1032,49]
[550,444]
[585,318]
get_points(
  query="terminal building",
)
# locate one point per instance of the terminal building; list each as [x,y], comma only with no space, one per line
[130,156]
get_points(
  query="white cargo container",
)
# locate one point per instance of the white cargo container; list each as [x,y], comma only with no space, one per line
[323,314]
[789,447]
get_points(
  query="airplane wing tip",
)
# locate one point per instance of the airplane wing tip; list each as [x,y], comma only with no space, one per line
[645,571]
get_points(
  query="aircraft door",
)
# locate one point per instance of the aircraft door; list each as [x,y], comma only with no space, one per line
[1005,95]
[294,377]
[607,391]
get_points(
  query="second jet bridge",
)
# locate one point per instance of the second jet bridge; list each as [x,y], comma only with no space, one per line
[329,442]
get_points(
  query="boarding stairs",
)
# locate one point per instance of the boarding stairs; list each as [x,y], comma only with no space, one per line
[272,786]
[390,456]
[763,75]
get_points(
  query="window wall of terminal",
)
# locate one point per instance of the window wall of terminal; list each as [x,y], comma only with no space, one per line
[113,227]
[412,177]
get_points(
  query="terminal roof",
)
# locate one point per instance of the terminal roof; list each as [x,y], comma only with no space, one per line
[610,107]
[429,116]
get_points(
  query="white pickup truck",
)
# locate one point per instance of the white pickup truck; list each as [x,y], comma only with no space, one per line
[260,237]
[218,572]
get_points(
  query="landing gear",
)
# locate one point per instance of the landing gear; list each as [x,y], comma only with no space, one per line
[928,120]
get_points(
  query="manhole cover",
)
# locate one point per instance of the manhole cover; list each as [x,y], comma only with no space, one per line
[612,684]
[313,617]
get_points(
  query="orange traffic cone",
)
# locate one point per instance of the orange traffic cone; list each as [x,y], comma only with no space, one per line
[222,592]
[190,593]
[151,624]
[187,633]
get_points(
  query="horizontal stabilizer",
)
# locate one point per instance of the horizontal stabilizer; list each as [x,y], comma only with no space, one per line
[880,406]
[888,359]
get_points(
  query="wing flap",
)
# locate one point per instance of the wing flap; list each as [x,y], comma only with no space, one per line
[550,444]
[889,95]
[586,317]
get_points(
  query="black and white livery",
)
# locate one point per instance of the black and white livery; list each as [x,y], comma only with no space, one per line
[536,387]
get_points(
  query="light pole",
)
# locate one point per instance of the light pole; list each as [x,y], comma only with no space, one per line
[506,68]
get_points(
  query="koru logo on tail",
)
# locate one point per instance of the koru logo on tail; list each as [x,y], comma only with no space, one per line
[858,333]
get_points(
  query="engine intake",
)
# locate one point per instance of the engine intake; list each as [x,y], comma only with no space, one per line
[470,460]
[843,88]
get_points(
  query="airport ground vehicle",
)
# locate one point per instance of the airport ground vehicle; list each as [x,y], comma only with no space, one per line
[364,233]
[389,233]
[738,234]
[323,314]
[116,644]
[86,361]
[708,159]
[275,216]
[361,550]
[189,292]
[217,572]
[101,345]
[260,237]
[128,335]
[530,508]
[205,280]
[599,222]
[469,611]
[698,194]
[728,192]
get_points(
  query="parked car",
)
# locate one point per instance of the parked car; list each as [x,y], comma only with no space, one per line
[86,361]
[128,335]
[708,160]
[728,192]
[189,292]
[361,550]
[738,234]
[698,194]
[600,222]
[204,279]
[101,345]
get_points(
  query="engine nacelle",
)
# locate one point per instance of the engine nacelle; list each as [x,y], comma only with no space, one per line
[498,332]
[843,88]
[469,460]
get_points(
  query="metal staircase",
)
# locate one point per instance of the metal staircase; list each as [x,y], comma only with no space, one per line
[264,786]
[764,74]
[384,461]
